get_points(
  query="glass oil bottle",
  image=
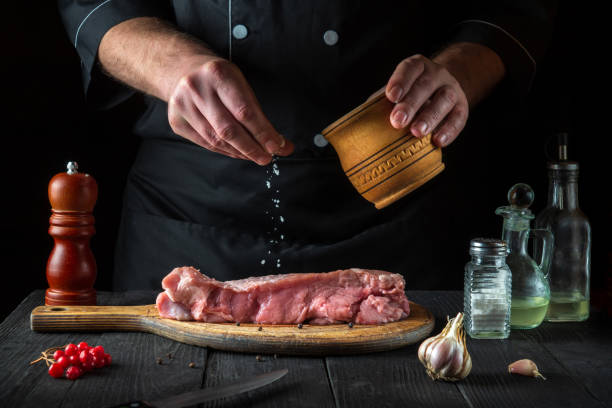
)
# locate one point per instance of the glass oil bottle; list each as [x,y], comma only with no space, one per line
[570,269]
[530,288]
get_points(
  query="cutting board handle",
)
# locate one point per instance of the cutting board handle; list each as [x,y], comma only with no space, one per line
[91,318]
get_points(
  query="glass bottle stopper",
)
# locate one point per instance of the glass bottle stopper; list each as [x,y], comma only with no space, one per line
[520,196]
[517,215]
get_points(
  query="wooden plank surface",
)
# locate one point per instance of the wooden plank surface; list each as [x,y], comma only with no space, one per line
[489,384]
[395,378]
[134,373]
[306,384]
[576,358]
[583,349]
[258,338]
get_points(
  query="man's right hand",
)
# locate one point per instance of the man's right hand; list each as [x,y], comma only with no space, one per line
[209,100]
[214,106]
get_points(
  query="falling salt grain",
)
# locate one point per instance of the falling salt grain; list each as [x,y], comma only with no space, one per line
[268,184]
[263,261]
[282,219]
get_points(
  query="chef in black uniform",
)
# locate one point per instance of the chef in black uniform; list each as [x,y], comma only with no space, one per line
[208,190]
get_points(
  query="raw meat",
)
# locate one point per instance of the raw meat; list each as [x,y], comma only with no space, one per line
[352,295]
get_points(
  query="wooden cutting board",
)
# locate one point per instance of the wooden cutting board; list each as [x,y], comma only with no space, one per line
[279,339]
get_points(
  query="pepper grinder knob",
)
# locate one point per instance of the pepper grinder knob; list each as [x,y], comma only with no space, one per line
[71,268]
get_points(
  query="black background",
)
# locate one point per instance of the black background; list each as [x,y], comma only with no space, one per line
[46,123]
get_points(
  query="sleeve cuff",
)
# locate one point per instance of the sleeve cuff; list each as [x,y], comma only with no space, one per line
[86,23]
[519,63]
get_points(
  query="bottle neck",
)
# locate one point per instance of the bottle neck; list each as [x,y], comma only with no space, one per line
[493,260]
[563,189]
[515,238]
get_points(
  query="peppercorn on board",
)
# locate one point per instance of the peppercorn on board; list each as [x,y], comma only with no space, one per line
[314,340]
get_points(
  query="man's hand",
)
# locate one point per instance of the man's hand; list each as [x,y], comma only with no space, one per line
[428,98]
[209,100]
[214,107]
[434,95]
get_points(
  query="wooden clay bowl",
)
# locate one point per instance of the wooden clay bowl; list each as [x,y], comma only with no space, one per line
[383,163]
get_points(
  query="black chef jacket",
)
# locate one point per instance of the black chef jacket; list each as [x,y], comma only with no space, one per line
[309,62]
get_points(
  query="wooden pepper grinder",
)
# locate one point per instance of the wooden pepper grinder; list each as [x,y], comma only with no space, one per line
[71,268]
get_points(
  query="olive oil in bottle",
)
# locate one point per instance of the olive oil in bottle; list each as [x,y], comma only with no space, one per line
[527,312]
[568,307]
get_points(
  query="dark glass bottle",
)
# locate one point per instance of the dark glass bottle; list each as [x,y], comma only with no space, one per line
[570,268]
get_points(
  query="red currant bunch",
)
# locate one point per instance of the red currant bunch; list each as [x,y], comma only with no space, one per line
[73,360]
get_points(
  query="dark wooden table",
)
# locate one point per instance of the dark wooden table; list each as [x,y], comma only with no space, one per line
[576,359]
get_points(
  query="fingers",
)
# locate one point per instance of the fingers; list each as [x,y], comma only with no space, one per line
[431,114]
[218,105]
[403,77]
[240,101]
[450,128]
[190,124]
[428,99]
[228,130]
[421,89]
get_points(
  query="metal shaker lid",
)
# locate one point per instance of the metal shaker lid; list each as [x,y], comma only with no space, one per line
[488,246]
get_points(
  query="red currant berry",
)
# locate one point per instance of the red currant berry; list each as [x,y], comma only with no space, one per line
[88,366]
[99,351]
[56,370]
[74,360]
[83,346]
[63,362]
[107,359]
[73,372]
[84,356]
[58,354]
[71,349]
[98,361]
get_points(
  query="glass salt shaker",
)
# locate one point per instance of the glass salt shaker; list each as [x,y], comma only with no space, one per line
[487,290]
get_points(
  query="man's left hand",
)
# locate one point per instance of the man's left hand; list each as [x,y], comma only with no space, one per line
[428,99]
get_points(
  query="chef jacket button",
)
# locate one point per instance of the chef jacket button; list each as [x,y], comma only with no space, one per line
[240,31]
[330,37]
[320,140]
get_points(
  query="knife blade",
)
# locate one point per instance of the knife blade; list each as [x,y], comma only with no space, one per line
[210,393]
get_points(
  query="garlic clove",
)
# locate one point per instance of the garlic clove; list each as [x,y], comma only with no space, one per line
[423,348]
[445,356]
[442,355]
[525,367]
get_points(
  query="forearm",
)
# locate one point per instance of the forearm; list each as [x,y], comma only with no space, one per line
[477,68]
[150,55]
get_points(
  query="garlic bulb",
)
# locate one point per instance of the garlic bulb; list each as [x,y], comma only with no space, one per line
[445,356]
[525,367]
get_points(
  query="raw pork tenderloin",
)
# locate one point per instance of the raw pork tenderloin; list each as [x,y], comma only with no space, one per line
[352,295]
